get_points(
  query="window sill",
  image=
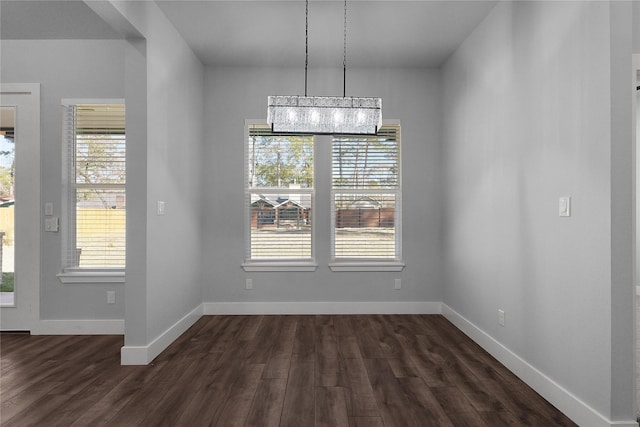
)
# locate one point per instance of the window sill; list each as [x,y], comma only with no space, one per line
[366,266]
[77,276]
[251,266]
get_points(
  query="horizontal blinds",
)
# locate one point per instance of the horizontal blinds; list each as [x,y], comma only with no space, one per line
[365,226]
[277,161]
[97,172]
[281,231]
[279,194]
[100,227]
[100,119]
[100,149]
[366,195]
[368,162]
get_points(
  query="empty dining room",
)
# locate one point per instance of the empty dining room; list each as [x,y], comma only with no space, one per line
[318,212]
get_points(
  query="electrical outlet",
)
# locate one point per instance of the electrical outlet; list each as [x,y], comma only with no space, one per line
[398,283]
[111,297]
[500,317]
[248,284]
[48,209]
[52,224]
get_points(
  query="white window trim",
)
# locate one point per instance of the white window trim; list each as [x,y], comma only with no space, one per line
[94,276]
[265,265]
[257,266]
[79,275]
[364,264]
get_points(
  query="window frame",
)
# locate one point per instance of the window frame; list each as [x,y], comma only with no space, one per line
[258,264]
[73,274]
[373,263]
[320,213]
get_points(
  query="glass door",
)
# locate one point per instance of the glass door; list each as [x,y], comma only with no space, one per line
[7,206]
[20,206]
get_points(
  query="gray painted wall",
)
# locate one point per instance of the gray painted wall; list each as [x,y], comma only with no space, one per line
[235,94]
[165,284]
[636,51]
[527,119]
[637,323]
[622,288]
[66,69]
[636,30]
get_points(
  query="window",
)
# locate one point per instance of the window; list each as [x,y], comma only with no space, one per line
[366,196]
[279,197]
[95,175]
[363,176]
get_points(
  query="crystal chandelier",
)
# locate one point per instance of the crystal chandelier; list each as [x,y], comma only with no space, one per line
[324,114]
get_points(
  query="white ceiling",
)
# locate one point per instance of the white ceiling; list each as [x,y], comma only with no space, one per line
[51,19]
[379,33]
[391,33]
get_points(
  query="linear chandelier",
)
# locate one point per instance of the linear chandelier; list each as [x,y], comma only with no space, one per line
[324,114]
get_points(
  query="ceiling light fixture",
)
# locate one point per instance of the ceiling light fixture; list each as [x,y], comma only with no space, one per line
[324,114]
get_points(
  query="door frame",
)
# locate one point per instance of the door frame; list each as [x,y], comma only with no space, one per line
[25,313]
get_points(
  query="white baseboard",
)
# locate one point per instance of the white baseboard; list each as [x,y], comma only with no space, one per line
[368,307]
[143,355]
[79,327]
[570,405]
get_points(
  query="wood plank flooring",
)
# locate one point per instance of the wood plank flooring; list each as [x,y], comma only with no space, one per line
[298,371]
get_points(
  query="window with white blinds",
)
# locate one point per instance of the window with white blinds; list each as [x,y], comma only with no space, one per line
[366,196]
[95,139]
[279,195]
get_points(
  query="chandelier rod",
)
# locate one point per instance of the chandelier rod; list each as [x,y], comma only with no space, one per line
[306,50]
[344,60]
[324,115]
[306,45]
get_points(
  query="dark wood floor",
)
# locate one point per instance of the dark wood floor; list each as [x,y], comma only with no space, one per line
[300,371]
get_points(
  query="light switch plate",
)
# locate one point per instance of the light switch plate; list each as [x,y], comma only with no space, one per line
[160,208]
[564,206]
[48,208]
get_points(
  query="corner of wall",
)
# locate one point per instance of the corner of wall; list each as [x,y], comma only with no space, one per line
[143,355]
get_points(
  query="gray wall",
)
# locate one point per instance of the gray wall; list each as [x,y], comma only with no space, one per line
[528,118]
[636,50]
[235,94]
[65,69]
[636,24]
[164,252]
[637,255]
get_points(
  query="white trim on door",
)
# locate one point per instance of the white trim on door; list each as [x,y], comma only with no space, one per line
[25,313]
